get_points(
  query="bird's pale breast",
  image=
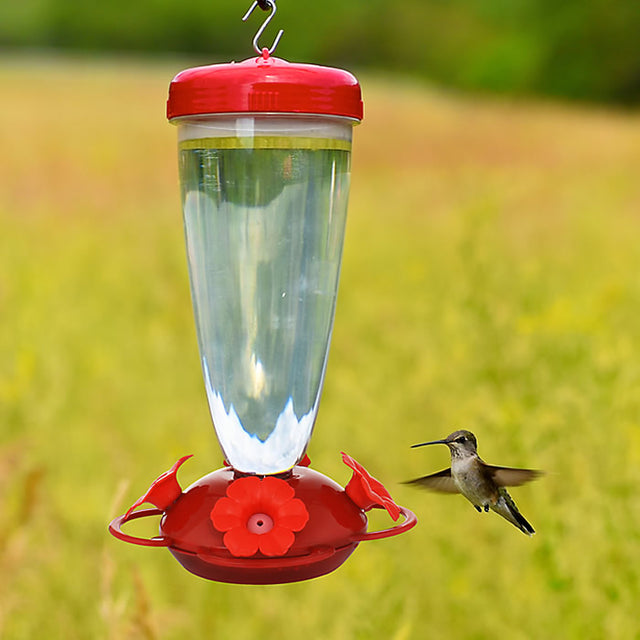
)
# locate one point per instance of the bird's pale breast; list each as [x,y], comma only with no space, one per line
[473,484]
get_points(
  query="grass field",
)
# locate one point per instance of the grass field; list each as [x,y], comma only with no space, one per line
[491,281]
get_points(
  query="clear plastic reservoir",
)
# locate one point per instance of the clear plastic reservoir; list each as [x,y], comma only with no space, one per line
[264,201]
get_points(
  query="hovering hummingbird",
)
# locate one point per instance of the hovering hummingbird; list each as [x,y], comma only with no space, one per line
[480,483]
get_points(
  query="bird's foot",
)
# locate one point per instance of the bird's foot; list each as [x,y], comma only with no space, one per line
[486,508]
[477,508]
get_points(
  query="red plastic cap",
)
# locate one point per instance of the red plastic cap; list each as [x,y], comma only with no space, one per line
[265,85]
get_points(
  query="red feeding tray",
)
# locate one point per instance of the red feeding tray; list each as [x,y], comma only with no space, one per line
[248,529]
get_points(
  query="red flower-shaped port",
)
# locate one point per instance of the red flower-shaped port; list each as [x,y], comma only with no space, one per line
[366,491]
[259,514]
[305,462]
[164,490]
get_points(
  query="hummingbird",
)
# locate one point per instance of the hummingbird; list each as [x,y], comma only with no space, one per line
[483,485]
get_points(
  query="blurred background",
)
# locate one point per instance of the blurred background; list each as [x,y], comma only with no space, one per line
[573,49]
[490,281]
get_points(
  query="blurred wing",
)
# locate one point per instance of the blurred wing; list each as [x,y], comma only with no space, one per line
[508,477]
[441,482]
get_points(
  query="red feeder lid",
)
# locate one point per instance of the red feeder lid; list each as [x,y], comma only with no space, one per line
[264,85]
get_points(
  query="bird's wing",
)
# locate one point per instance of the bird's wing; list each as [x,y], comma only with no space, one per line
[509,477]
[441,482]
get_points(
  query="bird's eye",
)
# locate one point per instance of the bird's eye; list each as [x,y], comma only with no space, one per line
[461,439]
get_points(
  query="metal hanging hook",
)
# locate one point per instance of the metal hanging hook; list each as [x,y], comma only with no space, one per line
[265,5]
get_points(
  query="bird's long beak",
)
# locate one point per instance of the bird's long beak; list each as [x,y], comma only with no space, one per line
[424,444]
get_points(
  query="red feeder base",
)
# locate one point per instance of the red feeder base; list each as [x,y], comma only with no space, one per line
[314,537]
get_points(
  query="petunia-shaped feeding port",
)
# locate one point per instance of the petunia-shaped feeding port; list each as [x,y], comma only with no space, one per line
[164,490]
[259,515]
[367,492]
[264,149]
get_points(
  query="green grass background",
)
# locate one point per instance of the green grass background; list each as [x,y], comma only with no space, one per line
[491,281]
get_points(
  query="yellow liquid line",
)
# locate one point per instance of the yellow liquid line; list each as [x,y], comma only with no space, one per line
[266,142]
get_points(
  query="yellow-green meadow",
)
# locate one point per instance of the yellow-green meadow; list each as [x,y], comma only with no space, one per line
[490,281]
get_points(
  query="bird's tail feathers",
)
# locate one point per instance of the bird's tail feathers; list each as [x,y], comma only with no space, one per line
[506,507]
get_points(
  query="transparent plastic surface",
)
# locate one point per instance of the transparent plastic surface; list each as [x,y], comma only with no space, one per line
[264,203]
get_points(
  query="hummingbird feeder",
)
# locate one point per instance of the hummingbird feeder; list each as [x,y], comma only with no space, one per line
[264,160]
